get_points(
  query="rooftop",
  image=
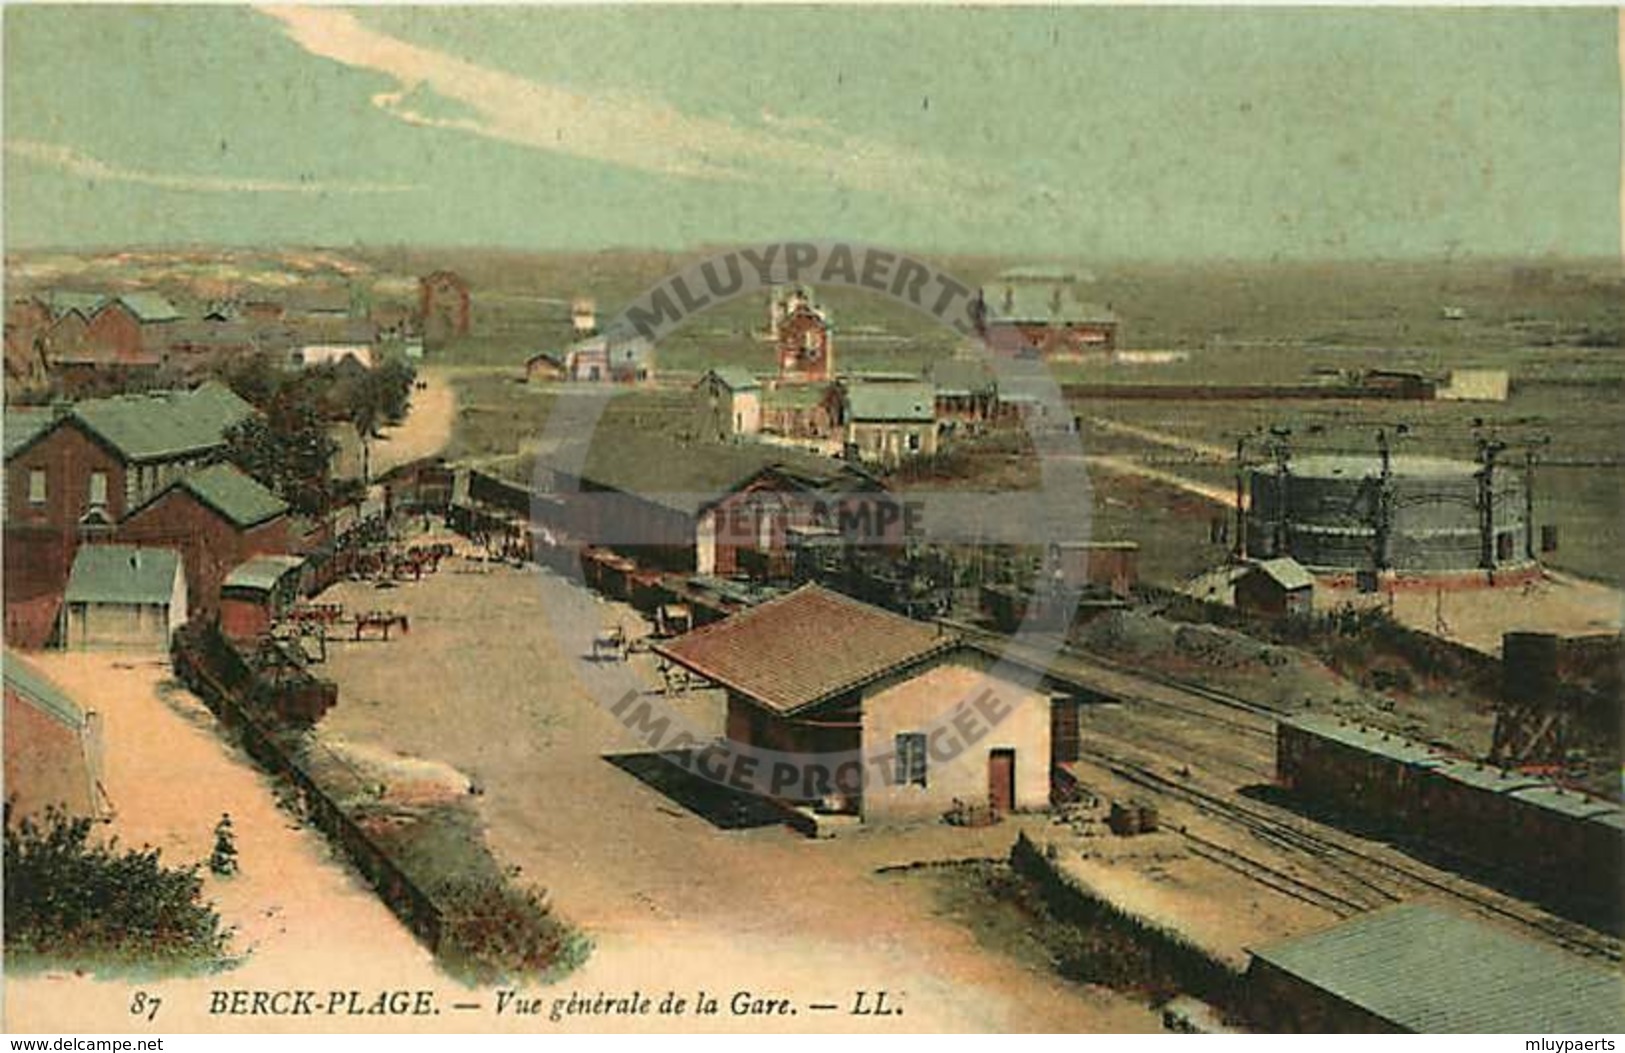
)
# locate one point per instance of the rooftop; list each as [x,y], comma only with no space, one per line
[1048,303]
[688,479]
[23,424]
[733,378]
[892,402]
[1357,466]
[1428,971]
[122,574]
[808,647]
[1370,740]
[1285,572]
[963,377]
[33,685]
[231,492]
[262,573]
[163,424]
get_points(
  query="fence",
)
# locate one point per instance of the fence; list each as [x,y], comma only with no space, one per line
[214,671]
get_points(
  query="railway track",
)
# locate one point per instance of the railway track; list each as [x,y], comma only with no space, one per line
[1365,878]
[1351,877]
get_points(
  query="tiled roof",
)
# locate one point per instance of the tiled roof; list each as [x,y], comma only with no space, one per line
[231,492]
[1431,972]
[33,685]
[122,574]
[164,423]
[805,648]
[891,402]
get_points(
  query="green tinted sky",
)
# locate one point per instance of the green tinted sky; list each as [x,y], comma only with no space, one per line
[1152,133]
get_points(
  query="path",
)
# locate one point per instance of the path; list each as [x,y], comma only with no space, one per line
[427,427]
[303,919]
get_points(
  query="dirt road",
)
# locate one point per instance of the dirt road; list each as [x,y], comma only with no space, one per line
[301,918]
[427,428]
[490,680]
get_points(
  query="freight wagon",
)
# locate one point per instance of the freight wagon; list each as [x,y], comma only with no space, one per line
[1560,842]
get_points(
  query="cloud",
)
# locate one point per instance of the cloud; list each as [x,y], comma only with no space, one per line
[73,162]
[622,129]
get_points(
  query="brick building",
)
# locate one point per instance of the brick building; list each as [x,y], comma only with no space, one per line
[216,517]
[74,473]
[53,748]
[804,335]
[1035,313]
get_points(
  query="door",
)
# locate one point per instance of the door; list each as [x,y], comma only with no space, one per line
[1001,780]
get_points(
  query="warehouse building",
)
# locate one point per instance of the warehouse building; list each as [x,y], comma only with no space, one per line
[1413,968]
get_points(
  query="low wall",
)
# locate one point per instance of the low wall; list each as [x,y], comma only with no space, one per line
[1173,958]
[207,669]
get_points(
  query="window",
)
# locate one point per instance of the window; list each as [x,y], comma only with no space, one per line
[911,759]
[36,486]
[98,489]
[913,442]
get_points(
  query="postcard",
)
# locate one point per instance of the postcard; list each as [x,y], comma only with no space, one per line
[781,519]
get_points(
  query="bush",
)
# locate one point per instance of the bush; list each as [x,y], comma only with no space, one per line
[69,900]
[491,930]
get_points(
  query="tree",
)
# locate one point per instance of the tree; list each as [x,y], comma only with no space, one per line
[287,448]
[371,399]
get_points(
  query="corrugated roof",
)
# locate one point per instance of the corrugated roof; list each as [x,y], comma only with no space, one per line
[1286,572]
[23,424]
[1428,971]
[891,402]
[1371,740]
[233,493]
[810,646]
[122,574]
[35,686]
[261,573]
[164,423]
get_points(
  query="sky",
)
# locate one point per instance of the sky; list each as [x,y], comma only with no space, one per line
[1112,133]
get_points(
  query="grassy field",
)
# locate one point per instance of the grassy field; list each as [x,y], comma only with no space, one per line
[1556,326]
